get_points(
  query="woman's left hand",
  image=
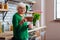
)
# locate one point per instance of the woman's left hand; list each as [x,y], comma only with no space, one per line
[22,21]
[30,26]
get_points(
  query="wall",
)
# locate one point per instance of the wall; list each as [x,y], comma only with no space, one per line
[37,5]
[53,27]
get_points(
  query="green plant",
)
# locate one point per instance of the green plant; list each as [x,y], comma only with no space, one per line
[36,16]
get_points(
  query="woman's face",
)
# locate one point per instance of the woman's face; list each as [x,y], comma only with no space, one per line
[21,10]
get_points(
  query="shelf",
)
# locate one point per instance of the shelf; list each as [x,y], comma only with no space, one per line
[10,33]
[35,29]
[3,9]
[33,2]
[30,12]
[26,1]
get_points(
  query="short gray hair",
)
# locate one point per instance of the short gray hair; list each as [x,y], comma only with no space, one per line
[21,4]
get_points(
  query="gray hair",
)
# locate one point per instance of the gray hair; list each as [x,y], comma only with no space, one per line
[21,4]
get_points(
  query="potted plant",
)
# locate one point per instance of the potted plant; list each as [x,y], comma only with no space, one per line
[36,16]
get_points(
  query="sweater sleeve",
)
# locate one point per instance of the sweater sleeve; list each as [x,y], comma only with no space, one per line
[23,27]
[17,26]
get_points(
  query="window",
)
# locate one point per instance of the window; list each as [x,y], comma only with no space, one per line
[56,9]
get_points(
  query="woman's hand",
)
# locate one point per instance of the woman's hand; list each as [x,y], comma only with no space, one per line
[30,26]
[24,20]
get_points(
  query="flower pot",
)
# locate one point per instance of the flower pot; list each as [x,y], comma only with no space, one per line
[37,23]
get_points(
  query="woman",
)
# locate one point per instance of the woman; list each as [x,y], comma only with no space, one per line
[20,25]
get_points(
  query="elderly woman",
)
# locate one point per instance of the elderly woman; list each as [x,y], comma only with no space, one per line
[20,25]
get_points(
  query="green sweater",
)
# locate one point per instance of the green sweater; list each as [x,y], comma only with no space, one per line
[20,32]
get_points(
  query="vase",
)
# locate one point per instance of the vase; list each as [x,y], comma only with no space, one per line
[37,24]
[5,26]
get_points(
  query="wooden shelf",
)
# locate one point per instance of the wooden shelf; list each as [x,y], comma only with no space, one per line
[10,33]
[30,12]
[36,29]
[33,2]
[3,9]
